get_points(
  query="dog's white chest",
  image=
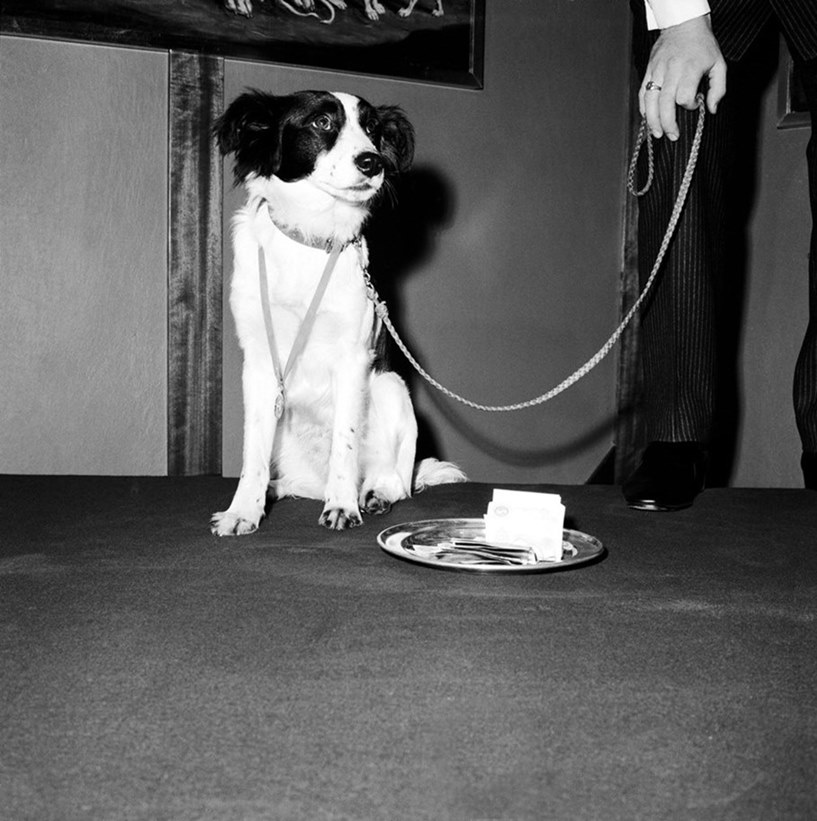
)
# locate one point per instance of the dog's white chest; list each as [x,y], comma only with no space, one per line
[340,313]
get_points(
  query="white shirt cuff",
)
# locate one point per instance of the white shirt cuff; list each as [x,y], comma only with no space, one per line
[662,14]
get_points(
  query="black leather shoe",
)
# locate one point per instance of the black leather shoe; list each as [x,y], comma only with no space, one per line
[670,476]
[809,465]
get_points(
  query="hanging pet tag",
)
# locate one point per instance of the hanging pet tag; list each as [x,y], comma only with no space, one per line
[303,331]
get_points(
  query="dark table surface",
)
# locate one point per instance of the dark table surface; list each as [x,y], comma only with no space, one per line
[152,671]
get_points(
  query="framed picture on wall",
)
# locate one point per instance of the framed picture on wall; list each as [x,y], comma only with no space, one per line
[431,41]
[792,107]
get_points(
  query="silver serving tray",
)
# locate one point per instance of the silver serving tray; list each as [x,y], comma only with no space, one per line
[412,541]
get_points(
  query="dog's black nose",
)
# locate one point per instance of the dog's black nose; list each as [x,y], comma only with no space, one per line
[369,163]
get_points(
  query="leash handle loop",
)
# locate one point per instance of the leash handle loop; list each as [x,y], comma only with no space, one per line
[642,137]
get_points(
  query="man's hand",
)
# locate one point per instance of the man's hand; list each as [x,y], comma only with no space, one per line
[681,57]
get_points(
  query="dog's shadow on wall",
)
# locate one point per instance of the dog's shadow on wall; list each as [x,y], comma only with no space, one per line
[401,235]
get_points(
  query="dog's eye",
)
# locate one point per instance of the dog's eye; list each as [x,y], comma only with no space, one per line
[371,127]
[323,123]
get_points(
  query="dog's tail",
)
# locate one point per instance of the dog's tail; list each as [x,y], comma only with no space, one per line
[430,472]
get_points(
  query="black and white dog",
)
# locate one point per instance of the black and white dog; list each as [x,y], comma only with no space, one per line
[322,420]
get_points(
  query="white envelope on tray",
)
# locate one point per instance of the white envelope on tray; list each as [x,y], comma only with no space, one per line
[527,519]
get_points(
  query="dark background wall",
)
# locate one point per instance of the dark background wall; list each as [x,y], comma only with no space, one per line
[511,282]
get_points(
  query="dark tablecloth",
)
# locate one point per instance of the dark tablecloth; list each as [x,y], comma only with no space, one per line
[152,671]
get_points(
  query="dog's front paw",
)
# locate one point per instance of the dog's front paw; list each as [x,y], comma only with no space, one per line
[376,504]
[338,518]
[231,524]
[374,10]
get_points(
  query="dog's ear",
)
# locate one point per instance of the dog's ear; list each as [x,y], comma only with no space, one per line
[397,139]
[250,129]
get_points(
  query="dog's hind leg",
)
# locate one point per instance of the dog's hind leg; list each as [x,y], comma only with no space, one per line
[249,502]
[387,460]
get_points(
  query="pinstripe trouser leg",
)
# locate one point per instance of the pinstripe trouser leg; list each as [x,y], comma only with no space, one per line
[678,336]
[679,345]
[805,374]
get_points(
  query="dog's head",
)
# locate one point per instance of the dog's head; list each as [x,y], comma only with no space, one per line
[333,143]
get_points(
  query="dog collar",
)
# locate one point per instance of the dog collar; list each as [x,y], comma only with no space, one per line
[297,235]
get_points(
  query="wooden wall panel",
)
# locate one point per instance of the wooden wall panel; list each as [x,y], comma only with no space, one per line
[194,266]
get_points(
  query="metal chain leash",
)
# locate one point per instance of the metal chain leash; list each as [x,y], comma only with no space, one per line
[642,137]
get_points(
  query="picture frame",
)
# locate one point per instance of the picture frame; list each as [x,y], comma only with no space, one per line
[793,111]
[370,37]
